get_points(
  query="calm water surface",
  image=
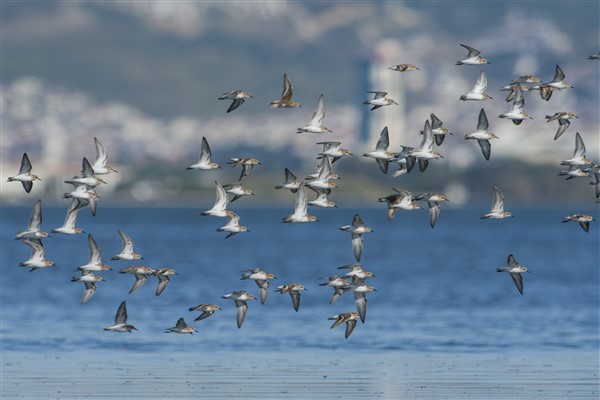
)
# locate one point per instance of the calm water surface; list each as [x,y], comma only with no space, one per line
[437,289]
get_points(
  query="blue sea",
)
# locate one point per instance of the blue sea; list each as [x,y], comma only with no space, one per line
[437,289]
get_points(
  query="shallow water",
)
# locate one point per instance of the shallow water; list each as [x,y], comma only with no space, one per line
[437,289]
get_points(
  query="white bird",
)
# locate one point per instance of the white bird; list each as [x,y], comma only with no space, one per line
[127,252]
[381,154]
[291,182]
[181,327]
[238,97]
[85,196]
[233,225]
[87,177]
[95,261]
[425,151]
[316,123]
[497,211]
[579,153]
[357,229]
[120,324]
[478,91]
[433,202]
[204,162]
[515,270]
[300,210]
[516,114]
[99,166]
[89,280]
[379,100]
[68,227]
[37,259]
[473,57]
[219,209]
[240,297]
[25,176]
[482,135]
[33,230]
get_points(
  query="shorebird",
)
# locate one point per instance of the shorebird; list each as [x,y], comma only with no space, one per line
[557,83]
[294,290]
[360,290]
[405,161]
[206,309]
[237,190]
[563,118]
[33,228]
[37,259]
[85,197]
[99,166]
[300,209]
[439,132]
[482,135]
[181,327]
[348,318]
[582,219]
[513,90]
[579,153]
[316,123]
[516,114]
[432,200]
[402,200]
[322,181]
[219,209]
[321,200]
[291,182]
[473,57]
[333,150]
[515,270]
[127,252]
[68,227]
[25,176]
[163,278]
[238,97]
[95,261]
[339,285]
[403,67]
[247,164]
[240,297]
[379,100]
[357,229]
[356,271]
[478,91]
[120,324]
[233,225]
[425,151]
[497,211]
[286,96]
[87,177]
[262,281]
[89,280]
[204,161]
[595,56]
[140,272]
[381,154]
[574,172]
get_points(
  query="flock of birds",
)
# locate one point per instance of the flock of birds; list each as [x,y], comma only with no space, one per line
[321,183]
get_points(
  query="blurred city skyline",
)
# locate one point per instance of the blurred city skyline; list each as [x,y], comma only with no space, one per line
[144,78]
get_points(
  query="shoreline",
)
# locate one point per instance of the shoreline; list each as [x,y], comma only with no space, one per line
[341,373]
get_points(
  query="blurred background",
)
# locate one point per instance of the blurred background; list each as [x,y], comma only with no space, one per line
[144,78]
